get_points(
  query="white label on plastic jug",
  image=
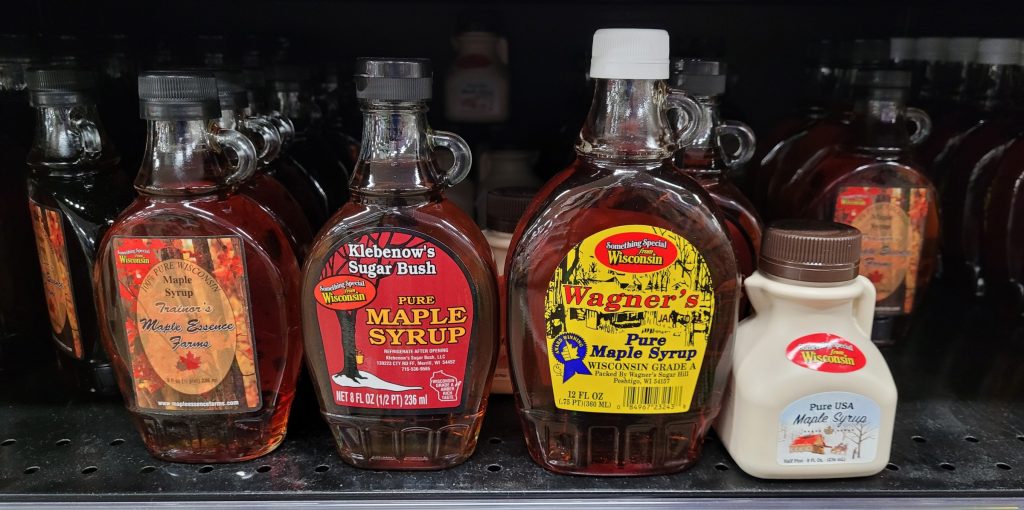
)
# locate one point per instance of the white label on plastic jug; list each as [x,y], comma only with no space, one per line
[829,428]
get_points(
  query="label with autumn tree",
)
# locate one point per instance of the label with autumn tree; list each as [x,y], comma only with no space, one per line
[892,221]
[188,323]
[397,317]
[53,261]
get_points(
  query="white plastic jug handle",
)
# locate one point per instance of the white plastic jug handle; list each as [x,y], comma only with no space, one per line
[864,305]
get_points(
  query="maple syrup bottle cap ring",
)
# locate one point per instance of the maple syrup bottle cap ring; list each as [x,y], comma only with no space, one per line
[930,49]
[961,50]
[59,85]
[231,89]
[698,77]
[178,95]
[810,251]
[999,51]
[506,206]
[394,79]
[630,54]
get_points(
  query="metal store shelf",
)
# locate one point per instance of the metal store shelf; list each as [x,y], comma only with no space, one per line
[959,434]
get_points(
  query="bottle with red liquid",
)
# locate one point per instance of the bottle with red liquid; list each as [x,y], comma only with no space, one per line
[622,265]
[400,305]
[991,86]
[76,189]
[707,161]
[1002,246]
[291,97]
[872,183]
[197,287]
[280,165]
[262,187]
[788,157]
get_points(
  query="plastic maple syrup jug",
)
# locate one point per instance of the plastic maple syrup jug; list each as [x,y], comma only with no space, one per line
[810,396]
[622,284]
[400,300]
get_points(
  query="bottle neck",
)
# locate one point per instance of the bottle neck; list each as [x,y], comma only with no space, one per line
[990,87]
[703,155]
[180,159]
[627,122]
[395,156]
[69,138]
[295,106]
[880,122]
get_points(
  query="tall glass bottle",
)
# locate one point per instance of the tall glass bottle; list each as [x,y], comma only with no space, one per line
[76,189]
[262,187]
[705,160]
[292,99]
[622,284]
[399,293]
[198,287]
[872,183]
[282,166]
[1002,246]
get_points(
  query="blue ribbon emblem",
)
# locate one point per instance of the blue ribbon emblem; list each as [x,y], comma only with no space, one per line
[570,350]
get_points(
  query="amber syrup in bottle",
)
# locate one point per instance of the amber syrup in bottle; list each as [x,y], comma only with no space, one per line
[873,183]
[399,292]
[262,187]
[704,158]
[197,287]
[622,284]
[76,189]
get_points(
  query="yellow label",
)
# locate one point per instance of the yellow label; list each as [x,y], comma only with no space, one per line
[628,314]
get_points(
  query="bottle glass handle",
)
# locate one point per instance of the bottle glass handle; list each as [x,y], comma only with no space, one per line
[245,154]
[922,125]
[271,138]
[745,139]
[460,150]
[690,120]
[864,305]
[92,143]
[284,126]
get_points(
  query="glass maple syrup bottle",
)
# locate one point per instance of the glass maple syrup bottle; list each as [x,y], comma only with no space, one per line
[400,307]
[871,182]
[707,161]
[281,165]
[76,189]
[197,288]
[622,284]
[262,186]
[1002,246]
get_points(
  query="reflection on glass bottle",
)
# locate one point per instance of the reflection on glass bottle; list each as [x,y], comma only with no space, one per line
[622,258]
[197,288]
[76,190]
[872,183]
[400,294]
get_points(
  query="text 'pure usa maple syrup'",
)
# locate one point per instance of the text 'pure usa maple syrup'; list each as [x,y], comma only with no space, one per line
[197,288]
[622,285]
[399,293]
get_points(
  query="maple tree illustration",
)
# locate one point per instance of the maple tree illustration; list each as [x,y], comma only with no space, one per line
[338,264]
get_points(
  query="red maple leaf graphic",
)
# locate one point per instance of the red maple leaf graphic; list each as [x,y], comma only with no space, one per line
[875,276]
[188,362]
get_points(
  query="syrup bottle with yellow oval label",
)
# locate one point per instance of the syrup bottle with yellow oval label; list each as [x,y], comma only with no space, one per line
[197,288]
[622,284]
[399,298]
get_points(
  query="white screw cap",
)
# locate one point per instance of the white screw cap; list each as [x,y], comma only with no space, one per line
[630,54]
[901,49]
[999,51]
[929,49]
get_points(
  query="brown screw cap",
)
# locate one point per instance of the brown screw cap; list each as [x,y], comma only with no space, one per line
[810,251]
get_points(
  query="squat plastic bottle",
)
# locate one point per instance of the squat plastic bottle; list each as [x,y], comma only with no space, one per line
[810,396]
[622,284]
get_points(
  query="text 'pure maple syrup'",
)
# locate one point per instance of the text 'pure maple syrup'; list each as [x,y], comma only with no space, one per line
[399,293]
[71,160]
[197,288]
[622,284]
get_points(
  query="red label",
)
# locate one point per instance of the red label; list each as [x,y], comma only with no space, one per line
[396,318]
[636,252]
[825,352]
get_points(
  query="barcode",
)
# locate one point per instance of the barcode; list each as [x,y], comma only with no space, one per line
[652,396]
